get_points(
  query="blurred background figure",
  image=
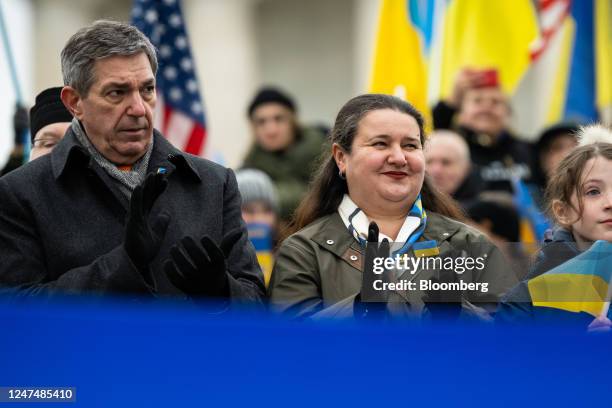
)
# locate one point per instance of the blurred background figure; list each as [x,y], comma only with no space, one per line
[448,164]
[260,213]
[496,216]
[20,127]
[552,146]
[49,120]
[282,148]
[480,111]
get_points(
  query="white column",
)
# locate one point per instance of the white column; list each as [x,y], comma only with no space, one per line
[56,21]
[223,44]
[365,25]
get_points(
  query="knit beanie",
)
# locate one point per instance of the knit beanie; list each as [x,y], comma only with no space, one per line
[271,95]
[551,133]
[48,109]
[255,185]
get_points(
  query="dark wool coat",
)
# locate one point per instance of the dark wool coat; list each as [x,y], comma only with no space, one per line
[62,224]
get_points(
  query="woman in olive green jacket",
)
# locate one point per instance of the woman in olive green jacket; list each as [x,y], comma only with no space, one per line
[374,180]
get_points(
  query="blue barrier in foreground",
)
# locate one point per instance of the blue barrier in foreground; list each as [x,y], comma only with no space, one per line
[120,354]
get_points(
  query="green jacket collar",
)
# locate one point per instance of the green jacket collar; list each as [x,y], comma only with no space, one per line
[332,235]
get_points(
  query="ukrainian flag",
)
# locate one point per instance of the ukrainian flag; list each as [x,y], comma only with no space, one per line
[404,37]
[580,104]
[554,58]
[533,224]
[581,284]
[261,237]
[422,44]
[488,34]
[426,248]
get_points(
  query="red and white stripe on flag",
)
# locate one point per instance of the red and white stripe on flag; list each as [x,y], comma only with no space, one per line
[180,130]
[551,15]
[179,111]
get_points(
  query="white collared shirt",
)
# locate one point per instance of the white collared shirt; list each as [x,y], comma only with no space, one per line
[361,223]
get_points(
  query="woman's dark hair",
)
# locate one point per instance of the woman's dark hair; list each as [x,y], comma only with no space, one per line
[327,188]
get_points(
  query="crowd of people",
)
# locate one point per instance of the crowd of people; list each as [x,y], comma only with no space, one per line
[108,206]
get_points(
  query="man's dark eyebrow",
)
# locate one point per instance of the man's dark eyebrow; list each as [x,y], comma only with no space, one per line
[125,85]
[119,85]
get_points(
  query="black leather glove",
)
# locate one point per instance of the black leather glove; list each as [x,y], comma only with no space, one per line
[143,238]
[371,303]
[199,269]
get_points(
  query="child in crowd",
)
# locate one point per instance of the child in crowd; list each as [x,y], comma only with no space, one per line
[579,197]
[260,213]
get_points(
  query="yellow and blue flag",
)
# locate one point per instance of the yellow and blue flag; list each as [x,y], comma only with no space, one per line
[403,43]
[422,44]
[581,284]
[581,91]
[260,236]
[426,248]
[553,57]
[533,223]
[488,34]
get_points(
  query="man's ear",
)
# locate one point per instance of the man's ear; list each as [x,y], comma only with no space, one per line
[72,100]
[340,157]
[562,213]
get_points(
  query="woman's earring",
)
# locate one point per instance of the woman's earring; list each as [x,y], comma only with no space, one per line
[341,175]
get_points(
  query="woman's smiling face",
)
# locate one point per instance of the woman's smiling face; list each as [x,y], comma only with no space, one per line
[386,165]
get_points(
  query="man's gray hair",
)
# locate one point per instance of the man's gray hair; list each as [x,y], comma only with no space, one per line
[102,39]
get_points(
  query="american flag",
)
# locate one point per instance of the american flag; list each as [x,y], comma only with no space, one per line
[179,111]
[551,15]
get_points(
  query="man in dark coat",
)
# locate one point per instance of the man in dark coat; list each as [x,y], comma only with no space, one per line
[115,208]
